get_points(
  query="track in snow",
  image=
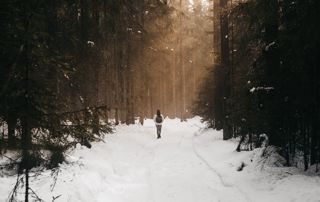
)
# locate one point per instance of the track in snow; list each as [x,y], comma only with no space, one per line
[187,164]
[146,169]
[175,171]
[223,182]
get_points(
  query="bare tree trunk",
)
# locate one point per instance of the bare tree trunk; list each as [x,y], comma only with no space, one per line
[314,138]
[25,141]
[174,84]
[182,67]
[96,121]
[26,199]
[225,62]
[216,30]
[117,99]
[11,129]
[129,84]
[26,132]
[305,146]
[117,116]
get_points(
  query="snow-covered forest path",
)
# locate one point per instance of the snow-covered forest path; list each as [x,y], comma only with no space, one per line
[143,168]
[171,169]
[188,164]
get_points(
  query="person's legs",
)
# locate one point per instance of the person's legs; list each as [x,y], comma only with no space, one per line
[157,127]
[159,131]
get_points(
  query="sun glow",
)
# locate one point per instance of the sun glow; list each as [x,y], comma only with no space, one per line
[191,5]
[204,5]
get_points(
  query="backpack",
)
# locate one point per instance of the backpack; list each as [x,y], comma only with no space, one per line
[159,119]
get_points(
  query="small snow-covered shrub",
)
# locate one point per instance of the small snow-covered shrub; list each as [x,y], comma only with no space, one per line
[269,156]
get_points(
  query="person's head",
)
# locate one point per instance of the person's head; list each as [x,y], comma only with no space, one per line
[158,112]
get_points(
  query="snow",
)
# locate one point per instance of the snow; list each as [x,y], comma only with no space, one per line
[253,89]
[189,163]
[270,45]
[90,43]
[66,76]
[81,99]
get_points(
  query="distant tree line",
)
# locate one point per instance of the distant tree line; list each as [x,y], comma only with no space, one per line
[266,76]
[168,75]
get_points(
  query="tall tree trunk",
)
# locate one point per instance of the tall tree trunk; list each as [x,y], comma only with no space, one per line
[225,63]
[174,62]
[26,142]
[128,83]
[11,129]
[26,129]
[314,139]
[117,83]
[271,14]
[183,110]
[216,30]
[305,146]
[117,116]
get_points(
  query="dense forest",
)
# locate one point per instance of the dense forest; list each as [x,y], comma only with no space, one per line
[71,70]
[265,77]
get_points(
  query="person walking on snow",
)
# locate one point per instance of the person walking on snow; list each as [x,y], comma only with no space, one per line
[158,120]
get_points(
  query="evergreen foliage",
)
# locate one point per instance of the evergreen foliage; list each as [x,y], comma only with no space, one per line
[54,57]
[273,77]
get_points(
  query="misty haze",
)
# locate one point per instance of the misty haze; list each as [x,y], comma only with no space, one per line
[159,101]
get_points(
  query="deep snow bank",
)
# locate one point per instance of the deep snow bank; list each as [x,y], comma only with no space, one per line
[263,178]
[190,163]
